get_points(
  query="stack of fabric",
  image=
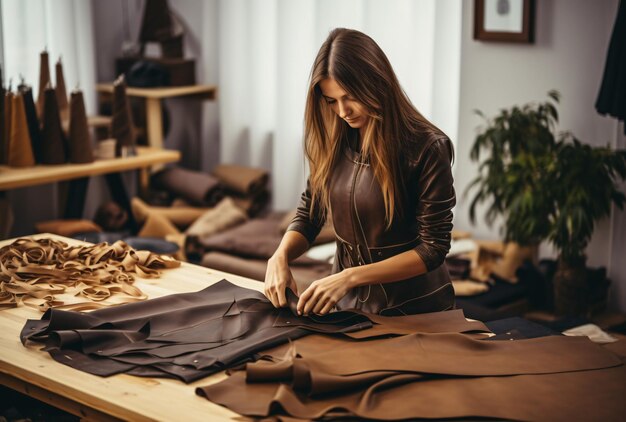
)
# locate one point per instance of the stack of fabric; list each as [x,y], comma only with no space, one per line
[32,133]
[247,186]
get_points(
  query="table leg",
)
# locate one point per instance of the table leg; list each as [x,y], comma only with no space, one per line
[75,204]
[119,195]
[154,122]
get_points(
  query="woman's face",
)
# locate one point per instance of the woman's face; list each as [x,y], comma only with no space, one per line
[344,105]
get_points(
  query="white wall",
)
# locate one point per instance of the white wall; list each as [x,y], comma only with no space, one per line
[569,52]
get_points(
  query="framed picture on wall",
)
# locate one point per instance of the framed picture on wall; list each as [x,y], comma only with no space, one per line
[504,20]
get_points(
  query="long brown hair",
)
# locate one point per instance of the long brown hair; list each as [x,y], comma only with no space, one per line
[361,68]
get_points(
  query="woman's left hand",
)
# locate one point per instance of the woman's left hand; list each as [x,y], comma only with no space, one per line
[320,297]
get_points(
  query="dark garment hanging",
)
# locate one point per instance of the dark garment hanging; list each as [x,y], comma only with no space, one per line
[612,96]
[191,335]
[431,376]
[53,147]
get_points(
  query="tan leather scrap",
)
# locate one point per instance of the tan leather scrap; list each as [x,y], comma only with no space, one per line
[33,272]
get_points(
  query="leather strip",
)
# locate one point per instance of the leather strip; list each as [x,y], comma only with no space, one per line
[34,271]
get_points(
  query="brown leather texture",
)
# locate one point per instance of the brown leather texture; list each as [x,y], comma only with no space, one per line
[432,376]
[423,224]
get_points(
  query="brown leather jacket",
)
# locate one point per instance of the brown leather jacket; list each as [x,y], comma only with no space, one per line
[358,215]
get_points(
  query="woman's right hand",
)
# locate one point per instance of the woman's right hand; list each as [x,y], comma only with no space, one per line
[278,278]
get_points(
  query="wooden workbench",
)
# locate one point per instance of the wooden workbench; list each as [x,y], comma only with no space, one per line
[33,372]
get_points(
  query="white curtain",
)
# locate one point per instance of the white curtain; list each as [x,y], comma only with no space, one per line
[267,47]
[64,28]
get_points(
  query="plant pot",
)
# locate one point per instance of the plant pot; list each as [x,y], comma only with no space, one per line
[570,287]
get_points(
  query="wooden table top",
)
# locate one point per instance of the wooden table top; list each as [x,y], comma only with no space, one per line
[120,396]
[11,177]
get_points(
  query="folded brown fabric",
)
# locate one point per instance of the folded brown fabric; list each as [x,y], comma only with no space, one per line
[20,147]
[215,220]
[194,187]
[179,216]
[256,238]
[254,204]
[54,143]
[67,228]
[304,271]
[80,149]
[246,181]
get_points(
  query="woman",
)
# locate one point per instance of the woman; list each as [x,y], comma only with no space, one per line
[382,172]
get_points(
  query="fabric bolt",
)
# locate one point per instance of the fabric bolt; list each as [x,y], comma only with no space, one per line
[6,134]
[246,181]
[194,187]
[20,146]
[215,220]
[54,143]
[34,127]
[180,216]
[44,82]
[122,128]
[191,335]
[3,138]
[61,91]
[80,149]
[253,204]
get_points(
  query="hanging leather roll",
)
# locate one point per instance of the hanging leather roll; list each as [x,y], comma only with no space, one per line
[20,148]
[7,102]
[53,146]
[122,128]
[34,128]
[79,138]
[44,81]
[61,92]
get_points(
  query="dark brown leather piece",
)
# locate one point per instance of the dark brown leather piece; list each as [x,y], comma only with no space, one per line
[79,137]
[122,128]
[33,121]
[61,91]
[54,142]
[423,224]
[200,333]
[44,82]
[194,187]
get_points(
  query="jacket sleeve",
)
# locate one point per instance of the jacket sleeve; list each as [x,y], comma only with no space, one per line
[306,224]
[435,200]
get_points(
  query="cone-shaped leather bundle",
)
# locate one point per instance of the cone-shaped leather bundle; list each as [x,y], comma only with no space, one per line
[122,128]
[20,148]
[61,92]
[157,22]
[34,129]
[44,81]
[53,145]
[2,138]
[79,139]
[7,101]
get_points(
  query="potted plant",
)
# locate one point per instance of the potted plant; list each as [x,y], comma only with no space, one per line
[547,189]
[583,182]
[517,143]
